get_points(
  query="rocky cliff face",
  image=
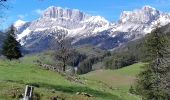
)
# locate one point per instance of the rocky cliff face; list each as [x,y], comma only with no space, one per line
[140,16]
[65,14]
[142,20]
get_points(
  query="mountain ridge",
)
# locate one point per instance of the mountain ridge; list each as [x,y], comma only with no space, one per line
[86,29]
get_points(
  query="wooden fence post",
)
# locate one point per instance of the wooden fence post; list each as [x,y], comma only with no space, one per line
[28,92]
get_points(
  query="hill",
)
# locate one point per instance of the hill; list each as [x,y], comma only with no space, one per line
[83,57]
[14,75]
[119,80]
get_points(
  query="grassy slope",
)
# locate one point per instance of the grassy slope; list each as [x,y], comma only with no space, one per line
[14,75]
[119,80]
[90,50]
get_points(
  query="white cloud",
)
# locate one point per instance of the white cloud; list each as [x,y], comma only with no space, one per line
[39,11]
[22,16]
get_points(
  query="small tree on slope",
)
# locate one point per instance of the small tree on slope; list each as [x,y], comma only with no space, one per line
[11,47]
[153,83]
[62,47]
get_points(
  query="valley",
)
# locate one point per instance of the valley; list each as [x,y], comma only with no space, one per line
[94,52]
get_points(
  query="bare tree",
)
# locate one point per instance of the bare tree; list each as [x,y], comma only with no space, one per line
[62,47]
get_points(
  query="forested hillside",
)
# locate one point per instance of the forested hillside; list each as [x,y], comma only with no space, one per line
[132,52]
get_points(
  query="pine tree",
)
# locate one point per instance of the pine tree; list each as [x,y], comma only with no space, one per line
[11,47]
[153,82]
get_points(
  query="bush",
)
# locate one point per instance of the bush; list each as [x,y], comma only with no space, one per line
[86,65]
[132,90]
[75,58]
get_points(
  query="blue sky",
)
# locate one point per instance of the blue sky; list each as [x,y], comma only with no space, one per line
[29,10]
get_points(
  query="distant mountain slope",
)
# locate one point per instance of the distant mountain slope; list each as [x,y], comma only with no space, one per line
[137,47]
[86,29]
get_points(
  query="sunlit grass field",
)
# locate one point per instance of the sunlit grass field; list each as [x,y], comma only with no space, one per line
[101,84]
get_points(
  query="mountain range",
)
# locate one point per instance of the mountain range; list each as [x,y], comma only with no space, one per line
[84,29]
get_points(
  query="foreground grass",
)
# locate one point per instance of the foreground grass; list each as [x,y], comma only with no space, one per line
[14,75]
[102,84]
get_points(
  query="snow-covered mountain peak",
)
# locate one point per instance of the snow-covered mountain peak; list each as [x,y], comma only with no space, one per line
[19,23]
[87,29]
[97,19]
[98,23]
[141,21]
[141,16]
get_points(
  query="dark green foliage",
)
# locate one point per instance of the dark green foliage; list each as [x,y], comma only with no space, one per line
[153,83]
[132,90]
[84,58]
[93,56]
[75,58]
[147,86]
[86,65]
[157,44]
[135,48]
[11,47]
[119,60]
